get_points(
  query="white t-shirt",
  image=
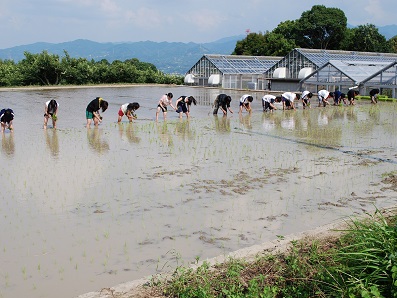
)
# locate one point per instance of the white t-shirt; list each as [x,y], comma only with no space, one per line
[322,94]
[268,98]
[289,96]
[47,103]
[244,99]
[305,94]
[124,108]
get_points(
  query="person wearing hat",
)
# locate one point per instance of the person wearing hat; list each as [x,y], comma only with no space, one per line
[92,111]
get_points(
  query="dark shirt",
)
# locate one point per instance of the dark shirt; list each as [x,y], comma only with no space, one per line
[93,106]
[182,102]
[6,115]
[222,100]
[350,94]
[337,94]
[374,92]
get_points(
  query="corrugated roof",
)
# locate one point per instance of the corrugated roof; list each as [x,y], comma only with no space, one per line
[233,64]
[350,72]
[321,57]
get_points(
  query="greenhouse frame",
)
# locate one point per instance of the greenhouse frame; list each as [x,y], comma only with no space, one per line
[231,71]
[364,75]
[300,63]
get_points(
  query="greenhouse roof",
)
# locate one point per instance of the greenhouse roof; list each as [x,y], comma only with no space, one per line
[347,72]
[321,57]
[233,64]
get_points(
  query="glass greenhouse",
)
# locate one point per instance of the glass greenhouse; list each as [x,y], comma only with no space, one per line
[231,71]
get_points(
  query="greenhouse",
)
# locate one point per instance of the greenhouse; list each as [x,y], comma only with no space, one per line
[231,71]
[344,74]
[288,72]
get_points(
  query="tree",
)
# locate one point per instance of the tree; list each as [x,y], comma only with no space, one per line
[288,29]
[268,44]
[366,38]
[41,69]
[392,44]
[321,28]
[252,45]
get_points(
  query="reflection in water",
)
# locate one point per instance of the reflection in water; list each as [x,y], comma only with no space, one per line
[95,142]
[288,122]
[164,134]
[322,118]
[223,124]
[7,144]
[246,121]
[268,121]
[51,138]
[182,129]
[374,113]
[127,132]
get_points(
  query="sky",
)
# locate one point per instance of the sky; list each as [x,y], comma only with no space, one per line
[25,22]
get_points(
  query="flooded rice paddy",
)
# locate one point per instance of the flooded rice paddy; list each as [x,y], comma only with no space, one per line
[82,209]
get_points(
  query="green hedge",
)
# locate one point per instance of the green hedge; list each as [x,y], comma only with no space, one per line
[380,98]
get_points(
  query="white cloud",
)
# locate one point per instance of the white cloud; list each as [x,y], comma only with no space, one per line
[375,10]
[204,20]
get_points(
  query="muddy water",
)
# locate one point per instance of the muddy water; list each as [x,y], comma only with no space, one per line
[85,209]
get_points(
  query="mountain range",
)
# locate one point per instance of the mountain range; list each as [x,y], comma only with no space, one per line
[169,57]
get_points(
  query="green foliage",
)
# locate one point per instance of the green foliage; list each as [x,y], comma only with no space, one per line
[49,69]
[361,263]
[268,44]
[321,28]
[318,28]
[368,258]
[366,38]
[392,44]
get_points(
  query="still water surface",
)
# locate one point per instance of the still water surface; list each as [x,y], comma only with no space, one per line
[85,209]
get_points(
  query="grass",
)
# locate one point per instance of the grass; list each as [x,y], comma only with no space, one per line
[358,261]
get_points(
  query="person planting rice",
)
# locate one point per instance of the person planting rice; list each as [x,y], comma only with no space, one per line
[323,96]
[374,95]
[245,101]
[306,96]
[50,110]
[165,100]
[6,117]
[128,109]
[222,101]
[338,97]
[92,111]
[183,104]
[351,96]
[288,99]
[268,102]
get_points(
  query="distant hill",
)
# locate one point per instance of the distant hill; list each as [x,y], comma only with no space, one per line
[388,31]
[169,57]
